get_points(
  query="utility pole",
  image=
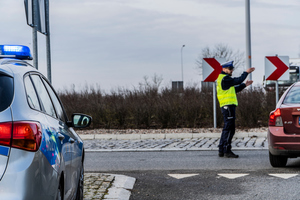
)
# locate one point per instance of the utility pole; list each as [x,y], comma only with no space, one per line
[248,38]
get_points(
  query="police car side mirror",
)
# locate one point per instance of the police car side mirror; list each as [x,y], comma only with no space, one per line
[80,120]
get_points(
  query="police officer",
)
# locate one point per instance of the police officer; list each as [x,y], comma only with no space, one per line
[227,87]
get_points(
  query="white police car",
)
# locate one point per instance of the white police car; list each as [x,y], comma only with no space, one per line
[41,156]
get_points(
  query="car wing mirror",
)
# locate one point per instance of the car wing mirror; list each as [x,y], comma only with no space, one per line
[81,120]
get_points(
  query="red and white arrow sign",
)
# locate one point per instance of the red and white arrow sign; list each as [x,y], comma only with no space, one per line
[211,68]
[276,68]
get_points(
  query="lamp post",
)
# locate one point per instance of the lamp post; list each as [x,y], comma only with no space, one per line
[248,37]
[182,64]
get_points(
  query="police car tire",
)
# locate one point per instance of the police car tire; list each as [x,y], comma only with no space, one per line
[79,194]
[59,193]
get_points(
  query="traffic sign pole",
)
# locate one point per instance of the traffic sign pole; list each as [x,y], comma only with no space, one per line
[215,104]
[48,43]
[211,70]
[37,15]
[277,92]
[34,34]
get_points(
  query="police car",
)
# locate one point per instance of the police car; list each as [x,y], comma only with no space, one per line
[41,156]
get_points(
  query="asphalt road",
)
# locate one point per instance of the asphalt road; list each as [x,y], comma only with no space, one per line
[159,174]
[174,160]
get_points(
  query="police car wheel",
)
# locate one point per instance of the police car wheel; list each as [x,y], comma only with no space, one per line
[79,195]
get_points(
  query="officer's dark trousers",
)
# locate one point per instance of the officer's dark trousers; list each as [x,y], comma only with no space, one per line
[228,129]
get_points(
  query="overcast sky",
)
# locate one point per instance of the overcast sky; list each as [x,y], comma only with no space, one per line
[115,43]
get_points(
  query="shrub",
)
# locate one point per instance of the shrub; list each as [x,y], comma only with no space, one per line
[150,107]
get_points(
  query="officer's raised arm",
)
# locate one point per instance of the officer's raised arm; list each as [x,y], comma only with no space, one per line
[250,70]
[248,82]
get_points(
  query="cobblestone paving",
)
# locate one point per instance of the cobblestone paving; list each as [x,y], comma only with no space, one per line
[96,185]
[174,144]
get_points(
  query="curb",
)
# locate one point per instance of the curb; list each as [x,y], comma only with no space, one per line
[121,188]
[173,149]
[165,136]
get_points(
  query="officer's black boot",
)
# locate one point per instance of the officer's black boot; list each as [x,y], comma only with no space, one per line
[231,155]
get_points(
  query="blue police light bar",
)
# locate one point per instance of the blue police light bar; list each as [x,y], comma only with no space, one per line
[15,51]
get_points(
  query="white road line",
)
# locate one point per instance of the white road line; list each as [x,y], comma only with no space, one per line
[180,176]
[284,176]
[232,176]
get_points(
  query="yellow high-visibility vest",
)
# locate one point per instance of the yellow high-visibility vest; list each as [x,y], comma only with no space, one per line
[225,97]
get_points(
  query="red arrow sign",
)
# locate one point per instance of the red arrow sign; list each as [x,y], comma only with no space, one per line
[217,69]
[280,68]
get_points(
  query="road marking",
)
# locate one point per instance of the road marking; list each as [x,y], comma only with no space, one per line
[233,176]
[285,176]
[180,176]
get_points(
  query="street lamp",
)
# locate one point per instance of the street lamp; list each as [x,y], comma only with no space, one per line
[248,38]
[182,63]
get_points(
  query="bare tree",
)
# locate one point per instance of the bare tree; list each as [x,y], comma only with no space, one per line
[221,51]
[155,84]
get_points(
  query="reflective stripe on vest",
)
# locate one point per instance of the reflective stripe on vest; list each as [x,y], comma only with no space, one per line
[225,97]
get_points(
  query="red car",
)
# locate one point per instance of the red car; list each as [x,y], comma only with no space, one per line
[284,128]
